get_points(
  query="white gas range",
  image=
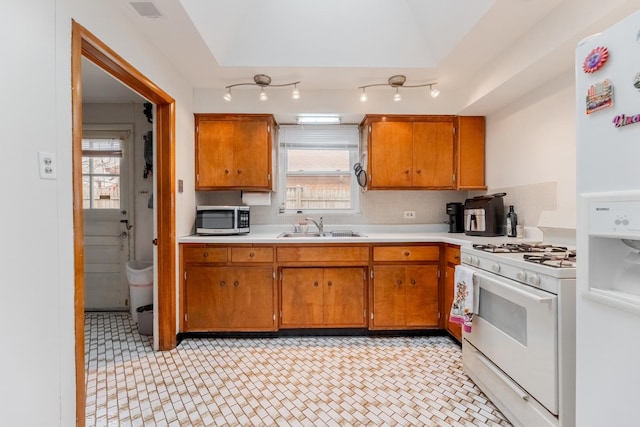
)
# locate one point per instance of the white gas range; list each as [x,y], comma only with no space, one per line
[521,348]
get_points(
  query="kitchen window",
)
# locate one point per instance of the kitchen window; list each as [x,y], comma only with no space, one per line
[316,168]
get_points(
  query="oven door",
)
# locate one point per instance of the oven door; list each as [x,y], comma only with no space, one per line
[516,327]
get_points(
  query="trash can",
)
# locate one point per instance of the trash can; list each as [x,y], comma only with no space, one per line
[140,277]
[145,319]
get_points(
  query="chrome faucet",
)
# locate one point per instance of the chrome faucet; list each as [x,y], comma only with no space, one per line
[319,226]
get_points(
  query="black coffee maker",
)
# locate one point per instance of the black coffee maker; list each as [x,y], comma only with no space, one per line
[455,211]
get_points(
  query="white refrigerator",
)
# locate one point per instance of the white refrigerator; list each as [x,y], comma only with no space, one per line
[608,227]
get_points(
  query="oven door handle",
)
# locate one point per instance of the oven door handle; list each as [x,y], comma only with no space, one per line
[523,293]
[508,381]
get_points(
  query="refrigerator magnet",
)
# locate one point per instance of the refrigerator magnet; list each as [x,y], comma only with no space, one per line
[595,60]
[636,81]
[599,96]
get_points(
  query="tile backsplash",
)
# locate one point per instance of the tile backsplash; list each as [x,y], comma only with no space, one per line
[376,207]
[387,206]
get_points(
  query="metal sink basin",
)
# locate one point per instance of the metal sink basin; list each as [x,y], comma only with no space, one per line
[337,233]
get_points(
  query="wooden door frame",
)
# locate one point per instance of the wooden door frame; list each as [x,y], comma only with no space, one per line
[85,44]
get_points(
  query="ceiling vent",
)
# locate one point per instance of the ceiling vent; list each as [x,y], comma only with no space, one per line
[146,9]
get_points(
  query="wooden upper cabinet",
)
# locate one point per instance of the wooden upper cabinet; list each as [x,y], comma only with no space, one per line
[234,151]
[470,153]
[424,152]
[410,152]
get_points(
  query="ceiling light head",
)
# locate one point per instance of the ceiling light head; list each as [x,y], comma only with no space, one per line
[227,95]
[363,96]
[397,80]
[263,95]
[397,97]
[296,93]
[434,92]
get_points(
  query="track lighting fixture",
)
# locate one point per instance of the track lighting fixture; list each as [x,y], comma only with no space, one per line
[397,82]
[263,81]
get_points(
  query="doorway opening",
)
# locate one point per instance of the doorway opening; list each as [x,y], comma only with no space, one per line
[86,45]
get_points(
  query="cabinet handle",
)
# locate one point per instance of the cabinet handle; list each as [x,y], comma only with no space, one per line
[399,282]
[406,171]
[407,253]
[226,171]
[315,284]
[329,284]
[222,283]
[239,171]
[413,281]
[236,283]
[252,254]
[419,171]
[456,257]
[206,254]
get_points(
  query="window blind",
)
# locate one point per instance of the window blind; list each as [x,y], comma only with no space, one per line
[319,137]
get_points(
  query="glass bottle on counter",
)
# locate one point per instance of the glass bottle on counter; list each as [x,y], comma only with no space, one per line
[512,222]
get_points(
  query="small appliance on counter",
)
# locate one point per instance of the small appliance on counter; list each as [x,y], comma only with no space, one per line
[484,215]
[222,220]
[455,211]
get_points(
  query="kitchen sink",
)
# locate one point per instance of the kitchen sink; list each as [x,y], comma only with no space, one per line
[337,233]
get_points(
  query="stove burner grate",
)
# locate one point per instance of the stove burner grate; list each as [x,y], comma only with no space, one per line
[566,260]
[519,248]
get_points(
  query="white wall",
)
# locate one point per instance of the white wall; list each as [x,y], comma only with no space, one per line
[532,141]
[37,271]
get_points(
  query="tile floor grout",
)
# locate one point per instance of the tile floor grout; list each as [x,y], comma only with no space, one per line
[287,381]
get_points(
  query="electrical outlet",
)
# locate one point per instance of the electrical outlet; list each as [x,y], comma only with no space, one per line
[410,214]
[47,165]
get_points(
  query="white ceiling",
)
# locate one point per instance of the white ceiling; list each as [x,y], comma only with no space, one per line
[483,54]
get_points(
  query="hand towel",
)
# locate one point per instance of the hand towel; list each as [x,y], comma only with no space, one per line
[462,307]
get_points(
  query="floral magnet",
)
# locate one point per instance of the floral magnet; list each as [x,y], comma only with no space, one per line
[595,60]
[599,96]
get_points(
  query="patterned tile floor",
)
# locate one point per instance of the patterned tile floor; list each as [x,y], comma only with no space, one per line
[291,381]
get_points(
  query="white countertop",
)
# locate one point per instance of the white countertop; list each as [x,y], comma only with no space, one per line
[423,233]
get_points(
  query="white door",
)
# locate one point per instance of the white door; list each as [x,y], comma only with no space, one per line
[108,234]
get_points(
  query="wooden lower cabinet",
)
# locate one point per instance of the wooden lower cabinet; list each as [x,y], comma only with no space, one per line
[405,297]
[323,297]
[229,299]
[452,258]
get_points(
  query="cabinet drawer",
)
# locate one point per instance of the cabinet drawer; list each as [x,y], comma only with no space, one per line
[406,253]
[194,255]
[325,253]
[251,254]
[452,254]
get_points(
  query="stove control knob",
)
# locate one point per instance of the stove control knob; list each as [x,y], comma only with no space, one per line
[471,260]
[495,268]
[534,279]
[521,275]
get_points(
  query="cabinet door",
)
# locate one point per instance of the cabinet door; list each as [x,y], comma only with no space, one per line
[251,154]
[421,296]
[433,159]
[388,296]
[452,257]
[207,292]
[215,141]
[344,297]
[302,299]
[251,298]
[471,153]
[391,154]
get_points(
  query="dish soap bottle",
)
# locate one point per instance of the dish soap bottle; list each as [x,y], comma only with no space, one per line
[512,222]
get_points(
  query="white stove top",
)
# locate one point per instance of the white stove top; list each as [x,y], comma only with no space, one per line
[513,266]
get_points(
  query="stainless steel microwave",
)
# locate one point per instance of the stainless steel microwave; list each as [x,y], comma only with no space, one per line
[222,220]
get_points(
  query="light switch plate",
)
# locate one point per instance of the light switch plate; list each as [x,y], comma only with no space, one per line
[47,165]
